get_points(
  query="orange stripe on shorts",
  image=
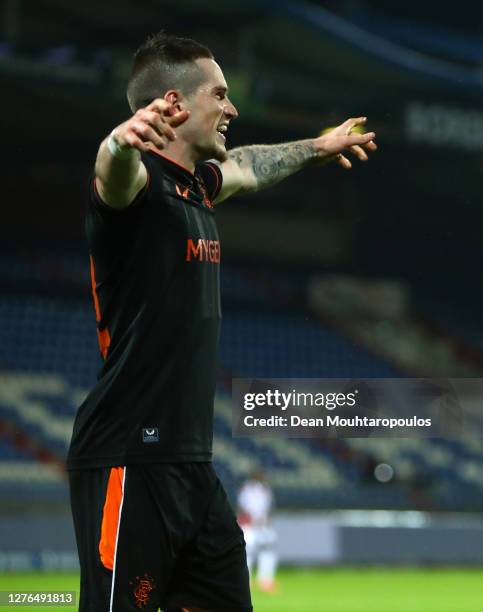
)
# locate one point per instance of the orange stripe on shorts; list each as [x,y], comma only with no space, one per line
[110,517]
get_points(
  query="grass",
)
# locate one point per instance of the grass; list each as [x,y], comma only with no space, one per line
[325,590]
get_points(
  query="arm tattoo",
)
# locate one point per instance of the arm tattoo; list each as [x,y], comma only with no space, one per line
[269,164]
[236,155]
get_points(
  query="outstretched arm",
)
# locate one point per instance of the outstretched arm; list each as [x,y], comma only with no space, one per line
[251,168]
[119,172]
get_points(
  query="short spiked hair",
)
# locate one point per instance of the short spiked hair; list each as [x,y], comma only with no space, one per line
[164,62]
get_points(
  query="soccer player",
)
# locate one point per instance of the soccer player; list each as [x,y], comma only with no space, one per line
[255,506]
[153,525]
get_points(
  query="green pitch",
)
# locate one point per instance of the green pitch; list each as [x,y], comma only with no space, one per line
[325,590]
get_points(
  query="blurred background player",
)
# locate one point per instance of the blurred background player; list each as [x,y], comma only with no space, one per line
[255,507]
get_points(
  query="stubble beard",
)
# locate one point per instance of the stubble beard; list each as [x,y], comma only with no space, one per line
[214,151]
[221,154]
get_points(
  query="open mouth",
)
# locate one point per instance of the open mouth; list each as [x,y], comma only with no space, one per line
[221,130]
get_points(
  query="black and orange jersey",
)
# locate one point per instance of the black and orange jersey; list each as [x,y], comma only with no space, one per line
[155,283]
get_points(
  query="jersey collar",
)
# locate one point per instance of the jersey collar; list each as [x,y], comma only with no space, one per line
[177,171]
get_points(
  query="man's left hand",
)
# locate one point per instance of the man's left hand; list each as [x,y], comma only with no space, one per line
[330,145]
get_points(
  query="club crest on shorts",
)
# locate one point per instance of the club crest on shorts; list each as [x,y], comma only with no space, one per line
[150,434]
[142,587]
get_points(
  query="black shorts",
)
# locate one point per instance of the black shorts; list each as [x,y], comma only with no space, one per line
[157,536]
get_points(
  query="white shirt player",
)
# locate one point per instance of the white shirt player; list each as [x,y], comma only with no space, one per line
[255,503]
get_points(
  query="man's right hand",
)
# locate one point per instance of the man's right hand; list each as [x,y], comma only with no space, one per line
[151,125]
[120,178]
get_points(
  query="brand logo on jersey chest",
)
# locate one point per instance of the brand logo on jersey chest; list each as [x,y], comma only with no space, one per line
[183,193]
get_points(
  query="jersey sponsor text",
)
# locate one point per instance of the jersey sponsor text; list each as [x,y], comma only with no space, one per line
[203,250]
